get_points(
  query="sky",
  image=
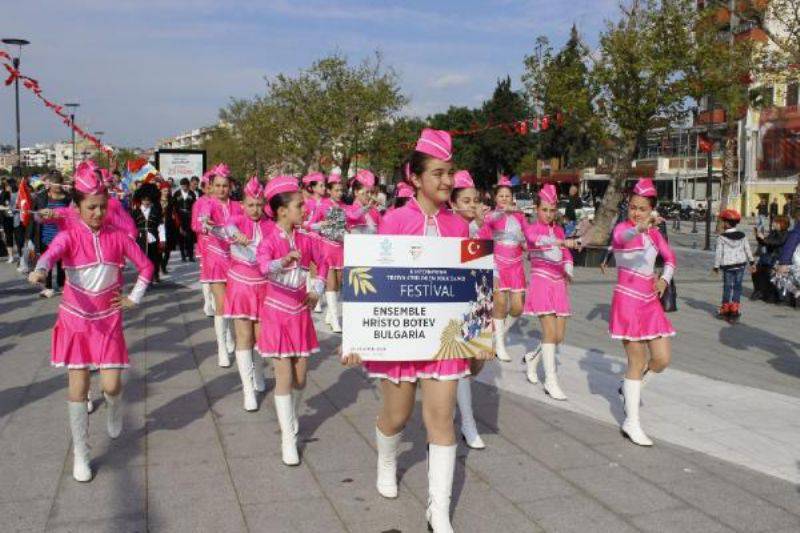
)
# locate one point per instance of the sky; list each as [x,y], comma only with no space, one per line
[147,69]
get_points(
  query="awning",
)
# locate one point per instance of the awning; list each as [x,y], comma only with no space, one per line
[555,178]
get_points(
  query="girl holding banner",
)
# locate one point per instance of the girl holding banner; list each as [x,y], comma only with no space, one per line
[637,317]
[430,171]
[246,287]
[505,225]
[547,296]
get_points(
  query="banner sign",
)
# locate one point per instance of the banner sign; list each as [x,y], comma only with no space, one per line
[412,298]
[179,164]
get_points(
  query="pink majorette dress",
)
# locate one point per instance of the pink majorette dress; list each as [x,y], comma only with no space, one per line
[287,329]
[362,219]
[198,209]
[636,312]
[550,266]
[333,251]
[216,249]
[88,332]
[507,231]
[246,286]
[410,220]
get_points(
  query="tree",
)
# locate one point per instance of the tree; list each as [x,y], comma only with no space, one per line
[640,75]
[390,143]
[719,70]
[466,148]
[560,85]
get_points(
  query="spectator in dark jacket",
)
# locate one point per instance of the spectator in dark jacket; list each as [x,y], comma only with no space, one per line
[769,250]
[792,241]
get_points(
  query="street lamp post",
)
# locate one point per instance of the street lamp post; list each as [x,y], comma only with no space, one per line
[72,106]
[99,135]
[19,43]
[709,181]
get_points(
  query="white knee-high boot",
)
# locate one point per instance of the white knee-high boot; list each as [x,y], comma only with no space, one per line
[469,429]
[500,339]
[223,359]
[208,300]
[632,389]
[531,360]
[510,321]
[387,463]
[333,311]
[258,372]
[283,407]
[551,385]
[441,467]
[309,288]
[114,415]
[297,398]
[230,339]
[79,426]
[244,362]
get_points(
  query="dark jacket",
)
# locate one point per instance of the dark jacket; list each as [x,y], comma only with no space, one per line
[792,241]
[183,208]
[147,225]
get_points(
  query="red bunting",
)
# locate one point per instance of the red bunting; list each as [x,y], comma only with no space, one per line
[518,127]
[33,86]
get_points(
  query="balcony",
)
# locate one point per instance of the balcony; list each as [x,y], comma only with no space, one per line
[715,116]
[786,113]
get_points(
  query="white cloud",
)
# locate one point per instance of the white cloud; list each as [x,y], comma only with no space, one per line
[448,81]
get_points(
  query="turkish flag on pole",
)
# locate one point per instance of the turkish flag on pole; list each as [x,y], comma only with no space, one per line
[705,144]
[24,204]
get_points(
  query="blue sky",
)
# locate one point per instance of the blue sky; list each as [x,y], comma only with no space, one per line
[145,69]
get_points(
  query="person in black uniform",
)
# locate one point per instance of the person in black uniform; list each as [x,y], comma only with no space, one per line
[147,216]
[183,200]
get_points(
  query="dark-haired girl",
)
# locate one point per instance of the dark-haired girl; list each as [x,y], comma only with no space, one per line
[332,247]
[506,226]
[363,216]
[287,333]
[464,201]
[88,331]
[637,318]
[431,173]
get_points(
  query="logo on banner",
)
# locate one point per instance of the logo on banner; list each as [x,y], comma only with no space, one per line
[385,254]
[472,249]
[416,251]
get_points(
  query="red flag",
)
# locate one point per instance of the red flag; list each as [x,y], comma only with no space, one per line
[134,165]
[472,249]
[24,204]
[705,144]
[545,123]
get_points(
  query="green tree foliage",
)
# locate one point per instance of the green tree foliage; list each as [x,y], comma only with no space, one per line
[390,143]
[561,85]
[641,77]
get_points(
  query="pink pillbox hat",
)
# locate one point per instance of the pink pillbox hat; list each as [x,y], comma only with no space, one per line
[404,190]
[548,194]
[645,187]
[463,180]
[86,180]
[435,143]
[253,188]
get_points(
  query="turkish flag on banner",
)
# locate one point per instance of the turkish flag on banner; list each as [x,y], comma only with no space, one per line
[705,144]
[472,249]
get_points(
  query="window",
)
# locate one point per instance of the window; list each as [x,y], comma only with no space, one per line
[792,93]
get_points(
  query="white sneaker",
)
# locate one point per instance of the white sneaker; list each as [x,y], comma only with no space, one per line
[47,293]
[10,259]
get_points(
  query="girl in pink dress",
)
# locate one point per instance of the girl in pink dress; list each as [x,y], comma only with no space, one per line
[505,225]
[313,195]
[363,216]
[245,288]
[287,333]
[547,296]
[88,331]
[465,203]
[431,174]
[637,317]
[200,238]
[332,249]
[217,254]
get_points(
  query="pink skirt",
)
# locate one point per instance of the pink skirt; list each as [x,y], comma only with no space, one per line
[92,344]
[243,297]
[214,268]
[547,295]
[333,252]
[636,312]
[397,371]
[287,329]
[509,269]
